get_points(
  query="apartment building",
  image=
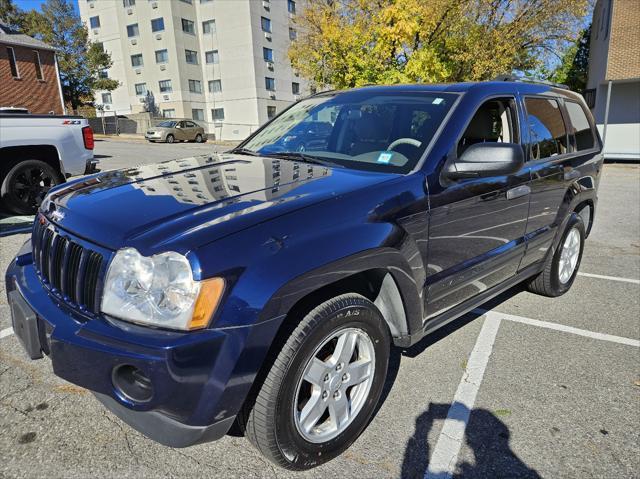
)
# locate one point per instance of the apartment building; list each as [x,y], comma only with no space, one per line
[222,63]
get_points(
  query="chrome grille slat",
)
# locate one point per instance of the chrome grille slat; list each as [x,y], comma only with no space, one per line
[69,269]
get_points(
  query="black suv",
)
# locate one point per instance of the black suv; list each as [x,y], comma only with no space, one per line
[265,286]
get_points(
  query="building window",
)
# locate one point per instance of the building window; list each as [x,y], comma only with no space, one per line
[36,62]
[106,98]
[136,60]
[271,112]
[217,114]
[209,27]
[94,22]
[212,57]
[267,54]
[590,97]
[157,24]
[191,57]
[162,56]
[128,3]
[215,86]
[190,2]
[270,83]
[141,89]
[169,113]
[266,24]
[12,62]
[295,88]
[197,114]
[195,86]
[103,74]
[291,6]
[132,30]
[188,26]
[165,86]
[293,34]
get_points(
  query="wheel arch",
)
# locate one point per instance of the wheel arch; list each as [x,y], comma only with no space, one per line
[47,153]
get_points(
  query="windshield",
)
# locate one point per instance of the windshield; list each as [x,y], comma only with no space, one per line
[359,129]
[167,124]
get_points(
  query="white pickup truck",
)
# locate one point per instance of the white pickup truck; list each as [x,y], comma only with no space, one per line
[38,152]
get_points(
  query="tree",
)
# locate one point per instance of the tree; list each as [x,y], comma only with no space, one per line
[10,15]
[150,105]
[349,43]
[80,61]
[573,70]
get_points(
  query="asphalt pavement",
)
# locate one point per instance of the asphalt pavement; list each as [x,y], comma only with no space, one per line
[536,387]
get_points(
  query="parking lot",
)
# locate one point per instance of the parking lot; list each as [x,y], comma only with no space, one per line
[526,387]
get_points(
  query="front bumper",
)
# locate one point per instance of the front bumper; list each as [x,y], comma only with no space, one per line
[199,380]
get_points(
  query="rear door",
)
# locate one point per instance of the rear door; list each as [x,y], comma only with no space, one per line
[190,130]
[476,233]
[550,156]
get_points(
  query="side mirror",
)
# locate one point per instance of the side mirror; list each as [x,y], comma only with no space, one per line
[486,159]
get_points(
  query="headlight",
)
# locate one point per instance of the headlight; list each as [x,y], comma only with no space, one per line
[159,291]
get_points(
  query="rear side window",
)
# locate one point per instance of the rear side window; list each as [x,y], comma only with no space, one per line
[581,128]
[546,127]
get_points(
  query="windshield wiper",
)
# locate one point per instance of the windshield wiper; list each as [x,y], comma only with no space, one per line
[298,156]
[244,151]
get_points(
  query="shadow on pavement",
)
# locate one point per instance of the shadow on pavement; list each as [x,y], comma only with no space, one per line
[486,435]
[13,224]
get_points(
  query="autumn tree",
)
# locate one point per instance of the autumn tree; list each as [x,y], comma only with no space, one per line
[349,43]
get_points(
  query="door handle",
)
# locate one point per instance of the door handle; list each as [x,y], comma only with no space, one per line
[518,191]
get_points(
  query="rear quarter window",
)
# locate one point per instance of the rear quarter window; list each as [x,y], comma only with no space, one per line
[580,126]
[546,128]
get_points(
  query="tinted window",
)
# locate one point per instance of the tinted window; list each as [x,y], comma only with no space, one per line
[546,127]
[581,129]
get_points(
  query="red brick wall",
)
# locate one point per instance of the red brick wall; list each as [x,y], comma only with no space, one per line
[39,96]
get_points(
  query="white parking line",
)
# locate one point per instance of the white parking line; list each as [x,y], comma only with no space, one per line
[6,332]
[445,454]
[563,328]
[610,278]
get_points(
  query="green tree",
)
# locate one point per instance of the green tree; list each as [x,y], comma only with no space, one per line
[79,60]
[573,69]
[10,15]
[354,42]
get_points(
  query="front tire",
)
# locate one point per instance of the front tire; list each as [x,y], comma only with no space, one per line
[25,185]
[323,386]
[561,269]
[170,139]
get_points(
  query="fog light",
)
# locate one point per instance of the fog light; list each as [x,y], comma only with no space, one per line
[132,383]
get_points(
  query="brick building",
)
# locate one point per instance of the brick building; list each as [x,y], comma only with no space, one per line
[28,74]
[613,88]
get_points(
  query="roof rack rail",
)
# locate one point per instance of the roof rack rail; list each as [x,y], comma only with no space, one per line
[510,77]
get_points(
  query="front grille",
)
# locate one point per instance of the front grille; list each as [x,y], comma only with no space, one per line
[70,270]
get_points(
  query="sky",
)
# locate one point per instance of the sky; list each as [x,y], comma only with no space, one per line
[35,4]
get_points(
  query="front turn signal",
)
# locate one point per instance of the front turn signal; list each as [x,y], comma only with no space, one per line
[209,297]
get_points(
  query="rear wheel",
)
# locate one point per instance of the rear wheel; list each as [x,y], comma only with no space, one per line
[25,185]
[198,138]
[323,386]
[561,269]
[170,138]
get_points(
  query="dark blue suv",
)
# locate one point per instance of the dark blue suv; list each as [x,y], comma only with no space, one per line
[265,286]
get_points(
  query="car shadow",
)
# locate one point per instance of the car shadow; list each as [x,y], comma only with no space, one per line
[486,435]
[14,224]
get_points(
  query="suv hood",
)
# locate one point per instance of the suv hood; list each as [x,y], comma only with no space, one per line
[182,204]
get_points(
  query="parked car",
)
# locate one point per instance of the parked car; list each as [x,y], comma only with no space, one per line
[170,131]
[267,289]
[38,152]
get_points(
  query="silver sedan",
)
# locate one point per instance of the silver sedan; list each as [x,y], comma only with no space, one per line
[170,131]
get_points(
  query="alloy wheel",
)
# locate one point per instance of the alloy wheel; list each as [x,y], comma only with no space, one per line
[335,385]
[569,256]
